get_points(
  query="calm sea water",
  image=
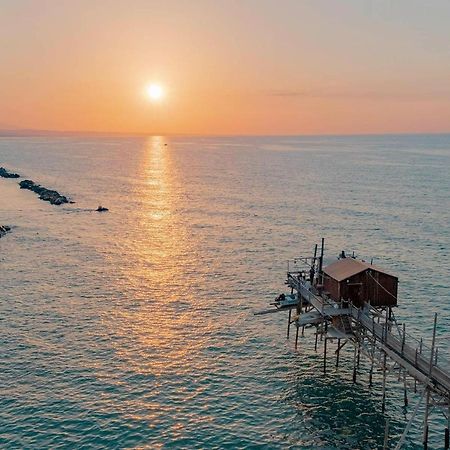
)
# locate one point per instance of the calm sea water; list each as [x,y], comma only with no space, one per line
[135,328]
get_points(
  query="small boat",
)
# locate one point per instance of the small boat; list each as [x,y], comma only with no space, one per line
[101,209]
[284,300]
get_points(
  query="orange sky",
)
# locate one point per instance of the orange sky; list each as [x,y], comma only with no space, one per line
[229,67]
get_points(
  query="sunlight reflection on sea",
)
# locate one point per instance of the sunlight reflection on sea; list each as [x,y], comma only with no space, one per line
[135,328]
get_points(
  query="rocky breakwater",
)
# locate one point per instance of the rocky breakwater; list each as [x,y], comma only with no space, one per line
[6,174]
[54,197]
[4,229]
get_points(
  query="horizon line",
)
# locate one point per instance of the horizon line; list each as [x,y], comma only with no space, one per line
[24,132]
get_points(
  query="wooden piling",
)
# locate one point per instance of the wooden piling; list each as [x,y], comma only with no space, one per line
[337,352]
[317,335]
[313,266]
[433,342]
[371,374]
[427,404]
[386,435]
[322,247]
[405,390]
[425,437]
[289,323]
[354,364]
[358,355]
[383,404]
[415,379]
[447,434]
[403,338]
[372,362]
[425,421]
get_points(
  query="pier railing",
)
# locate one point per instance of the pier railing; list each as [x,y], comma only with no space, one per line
[374,332]
[421,361]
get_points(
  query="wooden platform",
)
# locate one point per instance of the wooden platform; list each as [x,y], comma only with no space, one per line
[418,365]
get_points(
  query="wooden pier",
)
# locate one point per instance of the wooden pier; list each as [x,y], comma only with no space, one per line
[360,312]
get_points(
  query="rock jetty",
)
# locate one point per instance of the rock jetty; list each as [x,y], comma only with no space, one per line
[54,197]
[4,229]
[6,174]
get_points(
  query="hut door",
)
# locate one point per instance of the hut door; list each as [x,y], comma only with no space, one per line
[354,294]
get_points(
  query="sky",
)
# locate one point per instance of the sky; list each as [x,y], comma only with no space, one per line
[226,66]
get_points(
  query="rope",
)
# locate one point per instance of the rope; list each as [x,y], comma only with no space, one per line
[382,287]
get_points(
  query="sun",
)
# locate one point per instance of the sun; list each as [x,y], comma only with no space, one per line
[155,92]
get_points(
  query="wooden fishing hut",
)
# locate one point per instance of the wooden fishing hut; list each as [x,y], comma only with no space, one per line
[349,279]
[351,301]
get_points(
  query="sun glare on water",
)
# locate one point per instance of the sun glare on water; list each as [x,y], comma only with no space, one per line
[155,92]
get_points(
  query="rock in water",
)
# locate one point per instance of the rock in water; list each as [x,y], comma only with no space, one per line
[5,174]
[54,197]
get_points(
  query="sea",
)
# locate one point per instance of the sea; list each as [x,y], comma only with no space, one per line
[135,328]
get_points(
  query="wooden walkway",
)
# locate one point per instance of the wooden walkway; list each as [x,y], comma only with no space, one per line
[419,365]
[375,333]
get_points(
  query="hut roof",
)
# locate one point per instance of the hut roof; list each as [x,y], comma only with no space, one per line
[347,267]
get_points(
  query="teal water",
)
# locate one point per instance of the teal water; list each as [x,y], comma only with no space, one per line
[135,328]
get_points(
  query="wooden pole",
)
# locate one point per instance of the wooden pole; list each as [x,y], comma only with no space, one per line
[403,338]
[433,343]
[289,323]
[425,425]
[447,434]
[358,356]
[354,363]
[337,352]
[313,266]
[371,373]
[427,404]
[383,404]
[405,391]
[321,260]
[415,379]
[373,352]
[317,335]
[296,336]
[325,349]
[386,325]
[386,435]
